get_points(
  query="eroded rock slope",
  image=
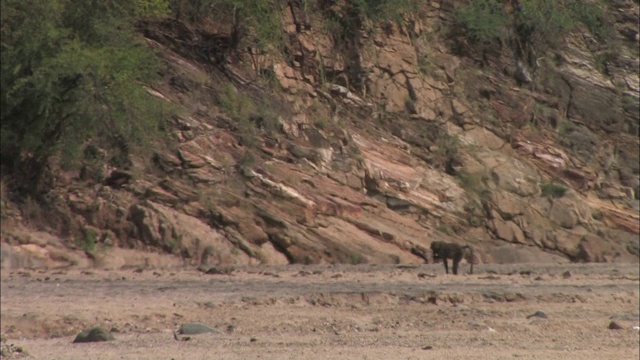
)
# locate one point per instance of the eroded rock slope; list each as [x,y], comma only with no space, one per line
[360,148]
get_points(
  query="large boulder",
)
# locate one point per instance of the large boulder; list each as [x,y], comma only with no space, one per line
[570,210]
[166,228]
[95,334]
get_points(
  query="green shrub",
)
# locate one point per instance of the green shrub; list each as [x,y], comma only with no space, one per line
[4,201]
[553,190]
[250,115]
[34,211]
[88,241]
[240,108]
[356,259]
[444,229]
[593,16]
[484,20]
[234,103]
[540,23]
[321,122]
[474,182]
[72,71]
[447,153]
[253,23]
[425,67]
[384,10]
[248,160]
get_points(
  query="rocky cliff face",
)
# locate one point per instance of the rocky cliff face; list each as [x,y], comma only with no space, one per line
[359,148]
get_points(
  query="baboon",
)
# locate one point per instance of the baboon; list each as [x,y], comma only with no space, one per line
[444,251]
[420,252]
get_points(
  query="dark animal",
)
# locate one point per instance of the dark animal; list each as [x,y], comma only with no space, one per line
[420,252]
[444,251]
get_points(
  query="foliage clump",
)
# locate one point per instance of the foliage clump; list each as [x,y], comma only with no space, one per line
[483,20]
[73,71]
[553,190]
[251,23]
[537,23]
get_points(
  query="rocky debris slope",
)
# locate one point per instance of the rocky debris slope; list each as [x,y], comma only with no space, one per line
[363,153]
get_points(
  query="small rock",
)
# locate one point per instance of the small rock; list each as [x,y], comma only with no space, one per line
[207,304]
[94,335]
[405,266]
[253,339]
[479,327]
[118,178]
[190,160]
[428,347]
[180,338]
[539,314]
[614,325]
[195,328]
[396,204]
[215,270]
[10,351]
[424,275]
[566,274]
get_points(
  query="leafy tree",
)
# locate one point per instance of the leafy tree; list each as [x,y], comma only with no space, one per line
[72,70]
[384,10]
[540,23]
[484,20]
[253,23]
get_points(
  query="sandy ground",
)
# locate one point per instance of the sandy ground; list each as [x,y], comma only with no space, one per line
[328,312]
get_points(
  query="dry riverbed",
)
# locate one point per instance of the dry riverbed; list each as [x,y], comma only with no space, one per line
[326,312]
